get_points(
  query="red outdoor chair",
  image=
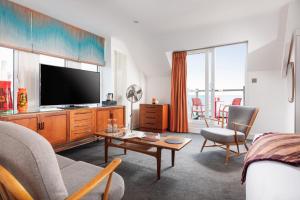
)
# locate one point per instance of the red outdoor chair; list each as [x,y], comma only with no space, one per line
[197,107]
[223,112]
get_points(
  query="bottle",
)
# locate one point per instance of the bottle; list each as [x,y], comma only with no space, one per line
[109,126]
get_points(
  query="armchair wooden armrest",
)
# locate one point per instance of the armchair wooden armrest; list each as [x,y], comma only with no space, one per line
[238,124]
[107,171]
[208,118]
[11,184]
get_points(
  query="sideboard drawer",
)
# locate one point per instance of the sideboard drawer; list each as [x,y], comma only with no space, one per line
[82,123]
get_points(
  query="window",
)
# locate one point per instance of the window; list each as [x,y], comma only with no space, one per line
[49,60]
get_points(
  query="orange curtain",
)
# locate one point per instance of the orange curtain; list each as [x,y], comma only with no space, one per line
[178,118]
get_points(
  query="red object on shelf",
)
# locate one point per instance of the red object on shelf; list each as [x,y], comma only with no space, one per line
[5,96]
[22,100]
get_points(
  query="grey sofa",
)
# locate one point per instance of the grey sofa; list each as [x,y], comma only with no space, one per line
[45,175]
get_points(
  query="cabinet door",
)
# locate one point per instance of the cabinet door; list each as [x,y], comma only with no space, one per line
[54,127]
[30,122]
[102,119]
[118,114]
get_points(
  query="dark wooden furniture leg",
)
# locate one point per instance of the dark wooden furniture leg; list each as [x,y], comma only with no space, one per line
[173,158]
[158,161]
[125,150]
[106,150]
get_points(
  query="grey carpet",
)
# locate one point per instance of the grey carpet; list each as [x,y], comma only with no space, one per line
[195,175]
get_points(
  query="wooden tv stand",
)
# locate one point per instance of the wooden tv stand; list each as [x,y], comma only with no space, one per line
[69,128]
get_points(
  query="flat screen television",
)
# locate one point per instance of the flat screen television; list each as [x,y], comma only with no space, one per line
[68,86]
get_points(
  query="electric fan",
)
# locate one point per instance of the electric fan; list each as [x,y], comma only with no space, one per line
[134,93]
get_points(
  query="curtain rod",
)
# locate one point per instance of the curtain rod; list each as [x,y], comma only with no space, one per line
[215,46]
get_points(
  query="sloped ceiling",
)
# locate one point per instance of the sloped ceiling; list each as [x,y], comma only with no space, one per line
[156,17]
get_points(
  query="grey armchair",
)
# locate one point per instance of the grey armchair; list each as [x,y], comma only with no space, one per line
[29,169]
[240,121]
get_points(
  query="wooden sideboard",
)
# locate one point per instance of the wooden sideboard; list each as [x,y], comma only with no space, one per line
[154,118]
[66,129]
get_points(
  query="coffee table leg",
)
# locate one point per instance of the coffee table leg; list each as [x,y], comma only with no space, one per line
[173,158]
[125,150]
[106,150]
[158,161]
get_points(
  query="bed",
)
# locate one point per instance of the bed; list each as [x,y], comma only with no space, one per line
[271,180]
[267,179]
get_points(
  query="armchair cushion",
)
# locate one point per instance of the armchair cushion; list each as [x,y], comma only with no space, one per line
[241,115]
[221,135]
[64,162]
[77,175]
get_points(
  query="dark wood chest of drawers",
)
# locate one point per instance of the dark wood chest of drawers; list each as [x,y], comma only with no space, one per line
[154,118]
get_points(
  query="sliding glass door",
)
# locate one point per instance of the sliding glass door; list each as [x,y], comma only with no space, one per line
[215,77]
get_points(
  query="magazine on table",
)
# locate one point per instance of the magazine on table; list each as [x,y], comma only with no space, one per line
[149,136]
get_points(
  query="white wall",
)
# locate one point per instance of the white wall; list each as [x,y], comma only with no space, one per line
[269,94]
[133,75]
[266,38]
[159,87]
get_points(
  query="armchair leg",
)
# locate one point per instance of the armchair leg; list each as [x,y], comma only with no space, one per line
[246,146]
[238,149]
[203,144]
[227,154]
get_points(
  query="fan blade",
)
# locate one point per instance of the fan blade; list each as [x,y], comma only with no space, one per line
[139,91]
[136,99]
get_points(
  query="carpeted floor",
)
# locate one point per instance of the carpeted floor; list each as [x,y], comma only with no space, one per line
[195,175]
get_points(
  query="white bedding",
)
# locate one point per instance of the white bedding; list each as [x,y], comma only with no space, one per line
[269,180]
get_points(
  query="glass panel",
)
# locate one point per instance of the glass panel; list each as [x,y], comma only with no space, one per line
[27,76]
[72,64]
[49,60]
[89,67]
[83,66]
[6,79]
[195,79]
[230,62]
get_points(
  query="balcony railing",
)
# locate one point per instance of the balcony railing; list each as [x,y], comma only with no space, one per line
[222,97]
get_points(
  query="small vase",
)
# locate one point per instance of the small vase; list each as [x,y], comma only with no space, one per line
[22,100]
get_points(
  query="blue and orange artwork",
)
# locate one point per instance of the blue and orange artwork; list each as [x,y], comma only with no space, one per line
[91,48]
[25,29]
[15,25]
[53,37]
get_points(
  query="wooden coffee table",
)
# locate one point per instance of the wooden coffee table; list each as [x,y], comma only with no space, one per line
[142,146]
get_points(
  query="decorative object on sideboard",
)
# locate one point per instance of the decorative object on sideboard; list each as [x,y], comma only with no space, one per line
[22,100]
[109,100]
[112,126]
[155,100]
[134,93]
[5,96]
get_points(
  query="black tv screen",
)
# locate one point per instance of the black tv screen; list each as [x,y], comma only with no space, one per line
[67,86]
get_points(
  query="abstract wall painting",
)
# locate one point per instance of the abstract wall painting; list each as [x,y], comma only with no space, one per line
[15,25]
[24,29]
[53,37]
[91,48]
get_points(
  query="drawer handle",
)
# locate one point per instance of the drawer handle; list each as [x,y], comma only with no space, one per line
[80,126]
[150,117]
[83,113]
[150,123]
[80,120]
[152,112]
[81,133]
